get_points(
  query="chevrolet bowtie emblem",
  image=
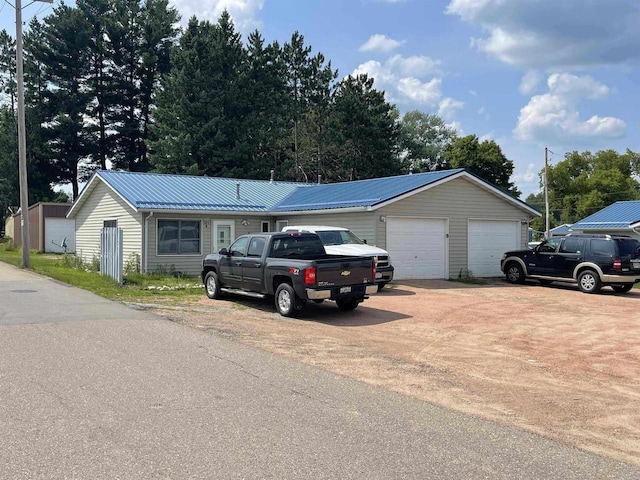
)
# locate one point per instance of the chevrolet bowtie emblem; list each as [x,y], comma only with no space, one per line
[345,273]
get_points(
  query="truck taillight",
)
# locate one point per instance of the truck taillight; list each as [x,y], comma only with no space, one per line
[617,264]
[310,276]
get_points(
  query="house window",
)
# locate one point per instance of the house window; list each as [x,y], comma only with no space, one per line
[178,237]
[280,224]
[265,226]
[109,223]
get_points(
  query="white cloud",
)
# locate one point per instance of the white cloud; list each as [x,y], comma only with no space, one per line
[380,43]
[402,80]
[527,178]
[424,93]
[552,33]
[554,115]
[448,107]
[574,86]
[530,82]
[416,65]
[243,12]
[382,75]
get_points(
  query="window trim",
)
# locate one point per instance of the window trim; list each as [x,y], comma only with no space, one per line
[280,224]
[180,220]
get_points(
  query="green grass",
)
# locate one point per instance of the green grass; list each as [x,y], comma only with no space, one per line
[137,288]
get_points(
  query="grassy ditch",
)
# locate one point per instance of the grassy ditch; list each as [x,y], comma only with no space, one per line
[137,288]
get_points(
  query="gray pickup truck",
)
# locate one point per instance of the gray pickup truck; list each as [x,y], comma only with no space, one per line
[292,267]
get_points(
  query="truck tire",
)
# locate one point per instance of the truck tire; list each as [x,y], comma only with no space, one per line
[348,303]
[212,285]
[287,302]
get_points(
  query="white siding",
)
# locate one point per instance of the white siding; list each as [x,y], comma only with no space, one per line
[59,232]
[457,200]
[103,204]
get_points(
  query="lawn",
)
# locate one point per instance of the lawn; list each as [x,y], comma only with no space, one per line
[136,287]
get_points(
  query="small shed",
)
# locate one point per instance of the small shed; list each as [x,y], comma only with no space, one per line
[49,229]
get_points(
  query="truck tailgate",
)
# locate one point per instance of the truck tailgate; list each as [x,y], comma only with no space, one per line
[344,271]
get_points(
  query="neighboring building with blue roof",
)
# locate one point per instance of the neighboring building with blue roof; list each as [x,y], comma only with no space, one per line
[560,230]
[620,218]
[435,224]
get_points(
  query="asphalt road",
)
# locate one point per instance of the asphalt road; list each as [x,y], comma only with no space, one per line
[93,389]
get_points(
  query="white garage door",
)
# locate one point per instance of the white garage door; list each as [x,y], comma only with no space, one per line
[417,247]
[57,231]
[488,240]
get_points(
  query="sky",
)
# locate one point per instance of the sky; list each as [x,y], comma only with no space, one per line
[527,74]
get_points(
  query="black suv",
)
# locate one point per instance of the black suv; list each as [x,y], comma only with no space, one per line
[591,261]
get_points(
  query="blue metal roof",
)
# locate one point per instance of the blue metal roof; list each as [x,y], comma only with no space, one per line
[153,191]
[560,229]
[359,193]
[617,215]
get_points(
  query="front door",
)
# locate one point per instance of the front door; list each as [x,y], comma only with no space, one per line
[223,234]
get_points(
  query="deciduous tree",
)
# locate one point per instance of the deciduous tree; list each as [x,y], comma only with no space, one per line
[485,159]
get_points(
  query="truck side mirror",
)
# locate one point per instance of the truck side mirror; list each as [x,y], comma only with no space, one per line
[365,241]
[224,251]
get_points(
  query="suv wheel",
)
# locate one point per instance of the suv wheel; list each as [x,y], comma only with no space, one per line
[622,288]
[515,273]
[589,281]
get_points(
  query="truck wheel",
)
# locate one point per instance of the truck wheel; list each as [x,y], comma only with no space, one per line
[348,303]
[212,286]
[589,281]
[287,302]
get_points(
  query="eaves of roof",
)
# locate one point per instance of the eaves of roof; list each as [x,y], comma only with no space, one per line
[179,193]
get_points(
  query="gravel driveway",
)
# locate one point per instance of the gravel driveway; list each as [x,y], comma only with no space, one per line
[550,360]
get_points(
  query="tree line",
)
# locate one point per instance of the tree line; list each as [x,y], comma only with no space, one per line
[115,83]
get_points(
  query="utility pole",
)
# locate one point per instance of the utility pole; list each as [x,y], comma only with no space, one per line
[546,194]
[22,141]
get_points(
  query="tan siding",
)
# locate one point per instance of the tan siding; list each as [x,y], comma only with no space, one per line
[104,204]
[457,200]
[192,264]
[360,223]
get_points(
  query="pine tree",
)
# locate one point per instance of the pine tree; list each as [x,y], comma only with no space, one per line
[365,128]
[199,108]
[8,68]
[64,53]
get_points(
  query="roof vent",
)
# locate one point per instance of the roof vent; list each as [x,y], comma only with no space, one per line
[238,190]
[273,174]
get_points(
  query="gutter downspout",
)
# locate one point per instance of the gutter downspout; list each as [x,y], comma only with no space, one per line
[145,248]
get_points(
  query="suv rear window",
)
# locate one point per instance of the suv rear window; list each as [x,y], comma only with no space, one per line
[628,246]
[602,247]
